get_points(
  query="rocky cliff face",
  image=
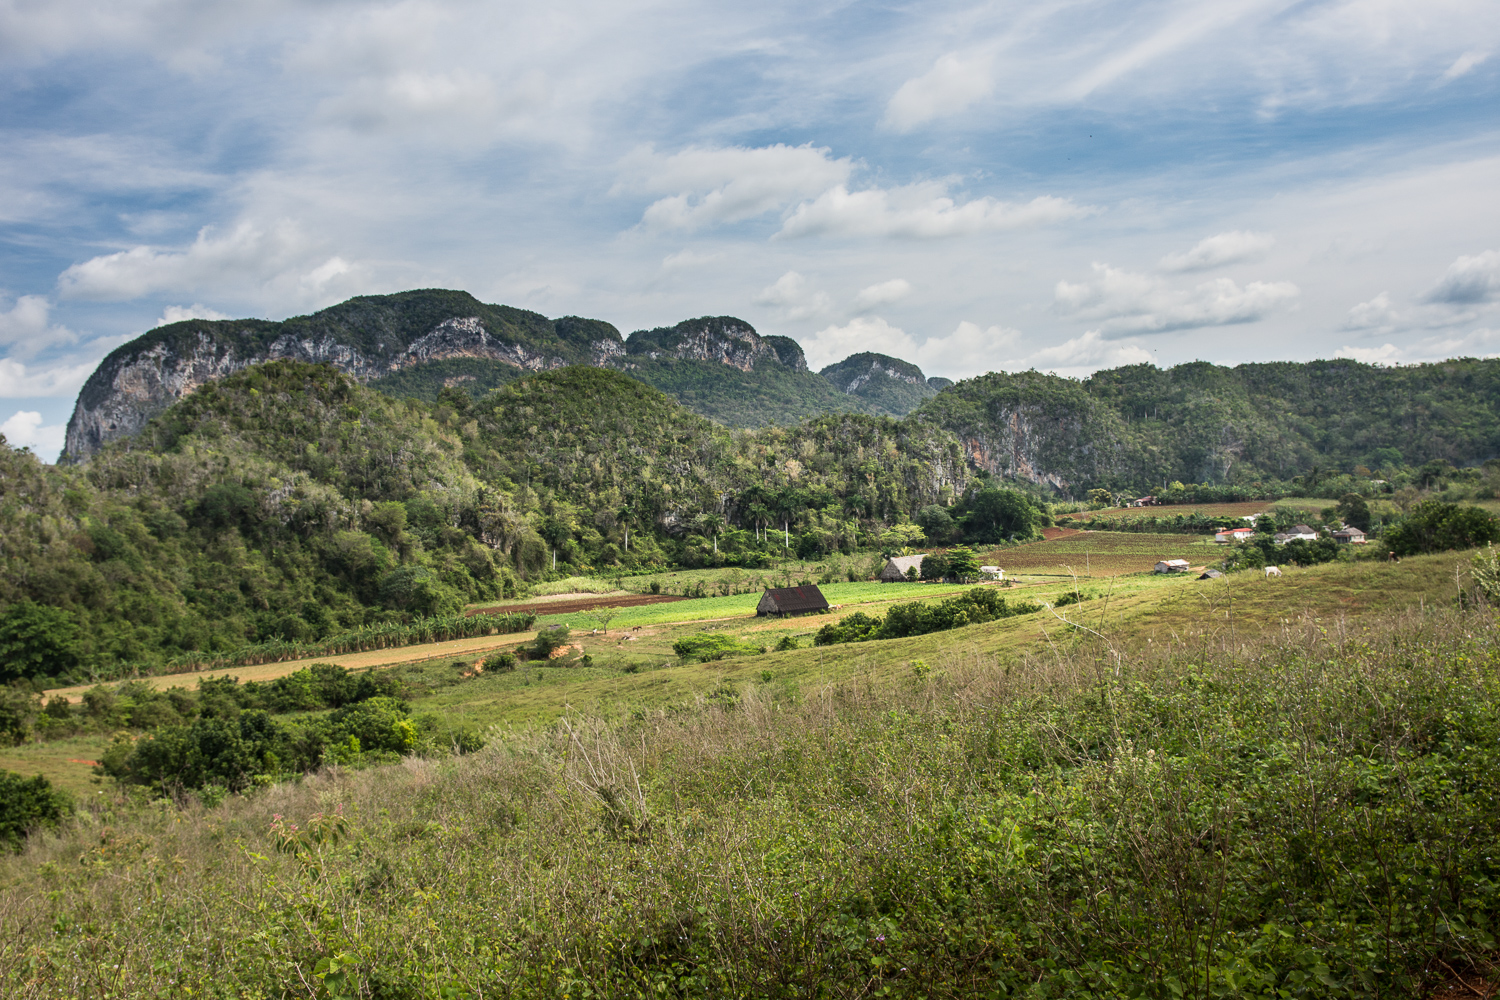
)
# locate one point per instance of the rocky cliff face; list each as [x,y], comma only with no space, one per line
[858,370]
[722,339]
[366,338]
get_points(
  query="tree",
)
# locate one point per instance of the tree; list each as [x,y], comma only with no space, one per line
[604,616]
[1354,511]
[963,563]
[937,523]
[1435,526]
[36,641]
[1099,499]
[997,515]
[26,804]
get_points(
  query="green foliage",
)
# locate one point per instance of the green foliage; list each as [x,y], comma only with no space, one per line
[993,515]
[1354,510]
[26,805]
[963,564]
[977,606]
[705,648]
[36,641]
[548,640]
[1435,526]
[503,662]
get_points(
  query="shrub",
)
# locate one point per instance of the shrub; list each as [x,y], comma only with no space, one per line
[1435,526]
[712,647]
[497,663]
[25,805]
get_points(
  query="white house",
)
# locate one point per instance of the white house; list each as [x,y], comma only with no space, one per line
[1172,566]
[993,572]
[1350,534]
[1234,534]
[1301,531]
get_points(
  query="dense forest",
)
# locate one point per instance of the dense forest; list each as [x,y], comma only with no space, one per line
[1139,428]
[288,502]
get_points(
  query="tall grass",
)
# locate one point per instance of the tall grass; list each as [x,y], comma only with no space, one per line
[1317,816]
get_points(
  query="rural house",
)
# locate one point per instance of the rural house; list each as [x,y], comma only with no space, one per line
[1350,535]
[1172,566]
[895,568]
[992,572]
[791,601]
[1234,534]
[1301,531]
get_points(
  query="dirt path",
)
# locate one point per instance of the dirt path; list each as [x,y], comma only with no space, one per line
[456,648]
[569,604]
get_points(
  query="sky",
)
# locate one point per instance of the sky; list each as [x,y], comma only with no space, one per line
[1065,185]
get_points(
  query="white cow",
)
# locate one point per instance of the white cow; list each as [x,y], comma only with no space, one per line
[1273,571]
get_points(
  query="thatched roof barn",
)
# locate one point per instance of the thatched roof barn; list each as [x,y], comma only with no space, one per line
[791,601]
[895,568]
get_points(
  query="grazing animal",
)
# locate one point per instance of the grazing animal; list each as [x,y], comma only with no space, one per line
[1273,571]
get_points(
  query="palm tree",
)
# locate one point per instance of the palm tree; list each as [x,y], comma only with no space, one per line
[711,524]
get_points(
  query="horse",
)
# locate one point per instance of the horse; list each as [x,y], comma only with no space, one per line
[1273,571]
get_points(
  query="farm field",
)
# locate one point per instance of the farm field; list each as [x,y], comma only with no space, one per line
[1101,554]
[1210,509]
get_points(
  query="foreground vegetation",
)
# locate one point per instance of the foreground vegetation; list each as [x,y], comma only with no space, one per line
[1309,817]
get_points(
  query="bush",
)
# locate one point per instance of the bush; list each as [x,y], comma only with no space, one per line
[787,642]
[547,642]
[918,618]
[36,641]
[712,647]
[498,663]
[25,805]
[1435,526]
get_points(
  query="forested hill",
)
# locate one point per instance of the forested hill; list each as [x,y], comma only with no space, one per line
[420,342]
[287,502]
[1133,427]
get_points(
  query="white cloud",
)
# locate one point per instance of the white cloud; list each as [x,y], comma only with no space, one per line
[920,211]
[882,293]
[1464,63]
[687,258]
[176,314]
[863,333]
[277,259]
[708,186]
[63,379]
[1468,281]
[1086,354]
[1216,251]
[1376,314]
[790,293]
[1481,343]
[1129,303]
[26,330]
[24,429]
[953,83]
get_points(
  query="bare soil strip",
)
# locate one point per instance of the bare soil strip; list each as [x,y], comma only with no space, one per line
[457,648]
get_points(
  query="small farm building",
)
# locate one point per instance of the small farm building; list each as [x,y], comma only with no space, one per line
[1234,534]
[1172,566]
[1301,531]
[791,601]
[993,572]
[1348,535]
[895,568]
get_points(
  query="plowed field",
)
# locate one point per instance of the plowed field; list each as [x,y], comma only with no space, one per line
[1101,553]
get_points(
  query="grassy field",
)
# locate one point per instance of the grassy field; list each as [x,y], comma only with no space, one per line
[633,672]
[1102,554]
[1237,788]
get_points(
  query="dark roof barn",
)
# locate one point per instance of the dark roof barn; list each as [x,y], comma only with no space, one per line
[791,601]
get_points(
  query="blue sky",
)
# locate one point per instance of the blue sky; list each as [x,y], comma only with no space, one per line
[1059,184]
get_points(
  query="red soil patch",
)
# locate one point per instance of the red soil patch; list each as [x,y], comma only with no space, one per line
[75,760]
[1051,533]
[573,606]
